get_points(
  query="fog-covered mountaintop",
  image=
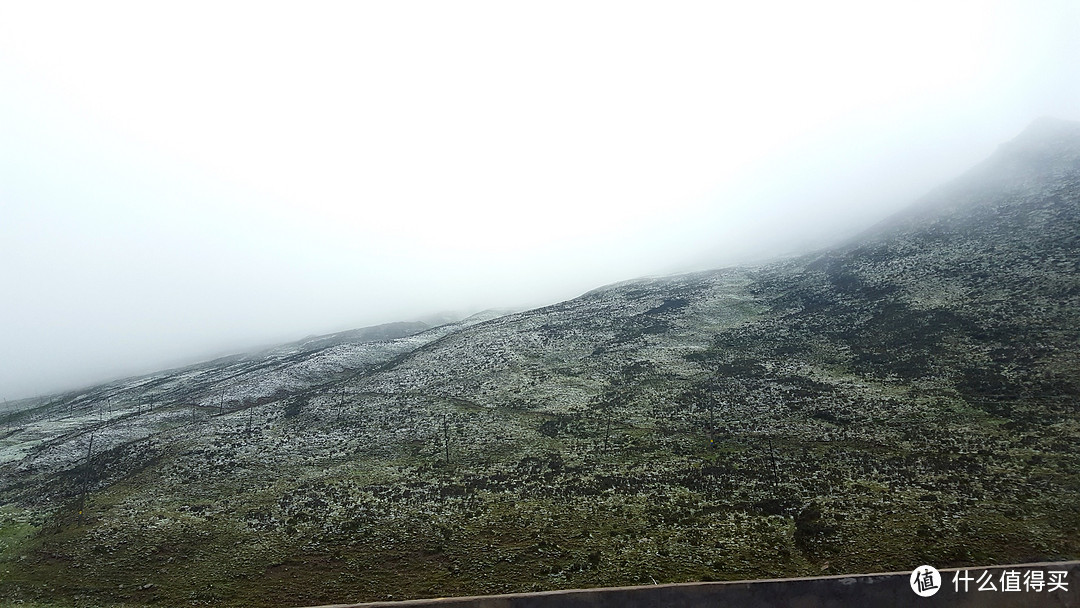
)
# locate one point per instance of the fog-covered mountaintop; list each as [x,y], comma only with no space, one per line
[1043,158]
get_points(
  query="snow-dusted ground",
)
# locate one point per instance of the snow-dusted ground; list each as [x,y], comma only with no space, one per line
[54,432]
[562,358]
[565,356]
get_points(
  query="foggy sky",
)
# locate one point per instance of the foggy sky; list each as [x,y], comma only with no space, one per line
[185,180]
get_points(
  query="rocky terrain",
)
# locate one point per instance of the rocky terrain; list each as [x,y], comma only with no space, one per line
[907,397]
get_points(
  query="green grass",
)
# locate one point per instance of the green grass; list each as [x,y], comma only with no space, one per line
[661,504]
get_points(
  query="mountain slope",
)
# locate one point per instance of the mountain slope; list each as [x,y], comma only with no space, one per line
[908,397]
[976,287]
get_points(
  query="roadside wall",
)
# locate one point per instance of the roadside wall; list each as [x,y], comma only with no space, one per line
[861,590]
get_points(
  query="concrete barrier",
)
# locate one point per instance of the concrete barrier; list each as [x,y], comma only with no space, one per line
[858,590]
